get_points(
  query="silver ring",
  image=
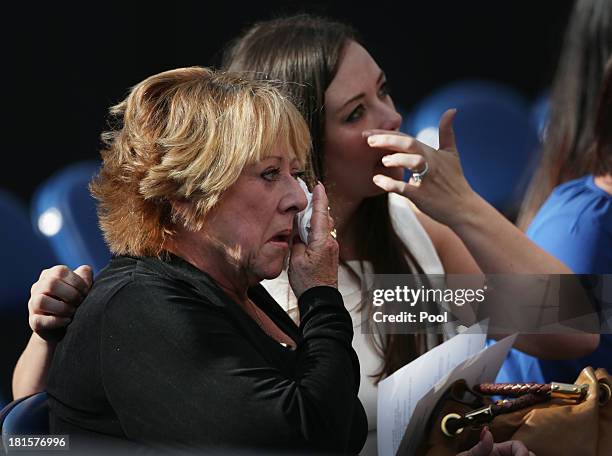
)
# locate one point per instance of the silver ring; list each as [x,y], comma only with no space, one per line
[418,177]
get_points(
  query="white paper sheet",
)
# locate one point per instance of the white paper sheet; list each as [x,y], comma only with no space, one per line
[406,398]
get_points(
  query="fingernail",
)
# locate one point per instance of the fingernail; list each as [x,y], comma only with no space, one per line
[483,432]
[386,160]
[372,140]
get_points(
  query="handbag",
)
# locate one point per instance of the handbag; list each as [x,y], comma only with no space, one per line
[550,419]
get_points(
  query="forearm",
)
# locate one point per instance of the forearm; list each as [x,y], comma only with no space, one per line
[556,346]
[500,248]
[497,245]
[30,374]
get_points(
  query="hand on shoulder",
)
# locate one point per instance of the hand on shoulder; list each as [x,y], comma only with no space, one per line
[54,299]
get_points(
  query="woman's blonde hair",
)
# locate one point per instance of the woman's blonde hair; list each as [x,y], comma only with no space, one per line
[185,135]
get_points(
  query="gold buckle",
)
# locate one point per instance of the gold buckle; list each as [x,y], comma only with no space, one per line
[605,392]
[568,391]
[481,415]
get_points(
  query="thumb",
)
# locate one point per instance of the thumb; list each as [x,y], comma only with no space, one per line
[446,134]
[319,222]
[84,272]
[485,446]
[297,249]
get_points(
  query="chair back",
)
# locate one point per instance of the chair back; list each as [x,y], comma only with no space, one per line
[495,138]
[65,212]
[24,253]
[25,416]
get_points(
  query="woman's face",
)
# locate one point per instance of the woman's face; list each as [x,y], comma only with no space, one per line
[356,100]
[253,224]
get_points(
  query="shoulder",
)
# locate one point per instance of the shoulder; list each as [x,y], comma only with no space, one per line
[575,225]
[157,291]
[576,210]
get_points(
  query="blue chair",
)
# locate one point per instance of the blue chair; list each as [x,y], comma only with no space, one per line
[25,416]
[65,212]
[493,133]
[25,253]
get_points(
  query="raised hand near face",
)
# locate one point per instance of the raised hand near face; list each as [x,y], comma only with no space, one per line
[437,186]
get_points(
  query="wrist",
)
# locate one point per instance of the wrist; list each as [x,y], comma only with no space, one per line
[325,280]
[468,212]
[38,341]
[319,294]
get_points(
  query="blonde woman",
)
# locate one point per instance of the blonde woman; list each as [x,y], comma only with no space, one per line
[177,344]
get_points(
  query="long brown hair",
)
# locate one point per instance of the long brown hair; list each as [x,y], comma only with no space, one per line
[603,126]
[566,153]
[305,52]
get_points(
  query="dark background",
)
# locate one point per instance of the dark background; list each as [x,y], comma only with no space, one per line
[65,64]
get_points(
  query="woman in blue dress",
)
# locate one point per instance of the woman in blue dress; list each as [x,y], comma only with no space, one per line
[568,207]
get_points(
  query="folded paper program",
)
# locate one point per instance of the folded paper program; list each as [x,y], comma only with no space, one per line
[407,398]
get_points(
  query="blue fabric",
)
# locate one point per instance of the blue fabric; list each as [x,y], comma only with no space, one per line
[575,225]
[519,367]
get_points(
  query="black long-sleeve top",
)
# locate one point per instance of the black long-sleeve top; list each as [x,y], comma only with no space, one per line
[158,353]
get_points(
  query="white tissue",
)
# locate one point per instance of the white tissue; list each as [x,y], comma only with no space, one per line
[303,217]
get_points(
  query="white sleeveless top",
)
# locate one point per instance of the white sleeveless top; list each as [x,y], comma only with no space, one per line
[413,235]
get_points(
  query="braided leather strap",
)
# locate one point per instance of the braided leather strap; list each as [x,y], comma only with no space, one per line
[453,423]
[506,406]
[512,389]
[527,394]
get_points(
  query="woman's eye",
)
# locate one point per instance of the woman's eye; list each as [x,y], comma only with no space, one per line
[299,174]
[270,174]
[356,114]
[384,90]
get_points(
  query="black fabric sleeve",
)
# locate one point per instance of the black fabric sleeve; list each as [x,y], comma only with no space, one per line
[178,370]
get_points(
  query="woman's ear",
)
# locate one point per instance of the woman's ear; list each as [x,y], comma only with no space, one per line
[183,215]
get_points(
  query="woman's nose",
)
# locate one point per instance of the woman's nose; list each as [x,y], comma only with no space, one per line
[392,119]
[295,199]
